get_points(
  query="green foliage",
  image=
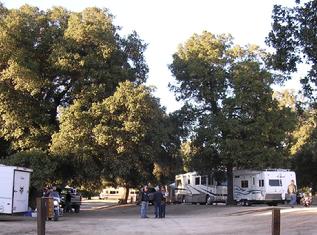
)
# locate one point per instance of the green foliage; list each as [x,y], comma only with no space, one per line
[304,155]
[119,138]
[50,58]
[305,162]
[294,37]
[303,131]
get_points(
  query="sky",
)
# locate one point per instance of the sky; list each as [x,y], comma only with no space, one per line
[165,24]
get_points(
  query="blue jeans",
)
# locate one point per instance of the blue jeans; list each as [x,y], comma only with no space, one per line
[162,215]
[293,199]
[157,210]
[144,208]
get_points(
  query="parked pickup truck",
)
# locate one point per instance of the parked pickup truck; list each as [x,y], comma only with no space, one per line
[75,202]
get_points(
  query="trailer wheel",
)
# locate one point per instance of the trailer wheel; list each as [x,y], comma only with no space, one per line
[245,202]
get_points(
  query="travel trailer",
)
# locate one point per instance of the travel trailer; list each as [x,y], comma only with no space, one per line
[111,193]
[267,186]
[249,186]
[194,188]
[14,189]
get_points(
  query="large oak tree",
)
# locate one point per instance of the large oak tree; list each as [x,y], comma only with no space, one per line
[228,90]
[125,139]
[50,58]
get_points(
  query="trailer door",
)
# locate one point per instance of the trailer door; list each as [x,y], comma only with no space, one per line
[274,189]
[21,191]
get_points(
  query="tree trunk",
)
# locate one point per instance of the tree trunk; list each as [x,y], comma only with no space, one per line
[126,194]
[230,200]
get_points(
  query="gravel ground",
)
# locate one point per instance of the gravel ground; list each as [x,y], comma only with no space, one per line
[98,218]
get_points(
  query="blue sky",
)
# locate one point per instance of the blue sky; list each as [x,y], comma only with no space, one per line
[164,24]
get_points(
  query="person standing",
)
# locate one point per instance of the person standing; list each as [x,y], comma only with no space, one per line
[291,190]
[144,201]
[163,203]
[157,199]
[53,193]
[68,199]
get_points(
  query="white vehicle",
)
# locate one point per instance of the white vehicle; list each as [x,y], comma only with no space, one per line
[249,186]
[267,186]
[111,193]
[14,189]
[194,188]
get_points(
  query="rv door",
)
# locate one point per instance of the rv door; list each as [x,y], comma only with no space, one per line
[275,187]
[21,191]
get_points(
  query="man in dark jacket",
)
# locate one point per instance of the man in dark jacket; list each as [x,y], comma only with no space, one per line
[144,201]
[157,199]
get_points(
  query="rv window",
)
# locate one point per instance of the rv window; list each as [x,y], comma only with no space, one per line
[275,183]
[204,180]
[178,183]
[261,183]
[253,181]
[188,181]
[197,180]
[112,192]
[244,184]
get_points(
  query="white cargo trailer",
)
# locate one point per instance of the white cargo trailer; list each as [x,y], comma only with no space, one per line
[14,189]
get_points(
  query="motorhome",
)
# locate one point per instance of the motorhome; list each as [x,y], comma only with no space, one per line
[111,193]
[14,189]
[266,186]
[194,188]
[249,186]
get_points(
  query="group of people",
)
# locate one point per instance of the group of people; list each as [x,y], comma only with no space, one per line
[158,198]
[52,192]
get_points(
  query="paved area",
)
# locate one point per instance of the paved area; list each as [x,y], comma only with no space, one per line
[181,219]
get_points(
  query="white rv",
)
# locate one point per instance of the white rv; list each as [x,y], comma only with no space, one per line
[111,193]
[267,186]
[249,186]
[194,188]
[14,189]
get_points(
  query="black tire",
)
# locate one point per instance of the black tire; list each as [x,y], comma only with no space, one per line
[245,202]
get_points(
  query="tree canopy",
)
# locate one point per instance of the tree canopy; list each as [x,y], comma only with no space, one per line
[50,58]
[123,138]
[294,38]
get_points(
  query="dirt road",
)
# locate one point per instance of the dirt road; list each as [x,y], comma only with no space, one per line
[181,219]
